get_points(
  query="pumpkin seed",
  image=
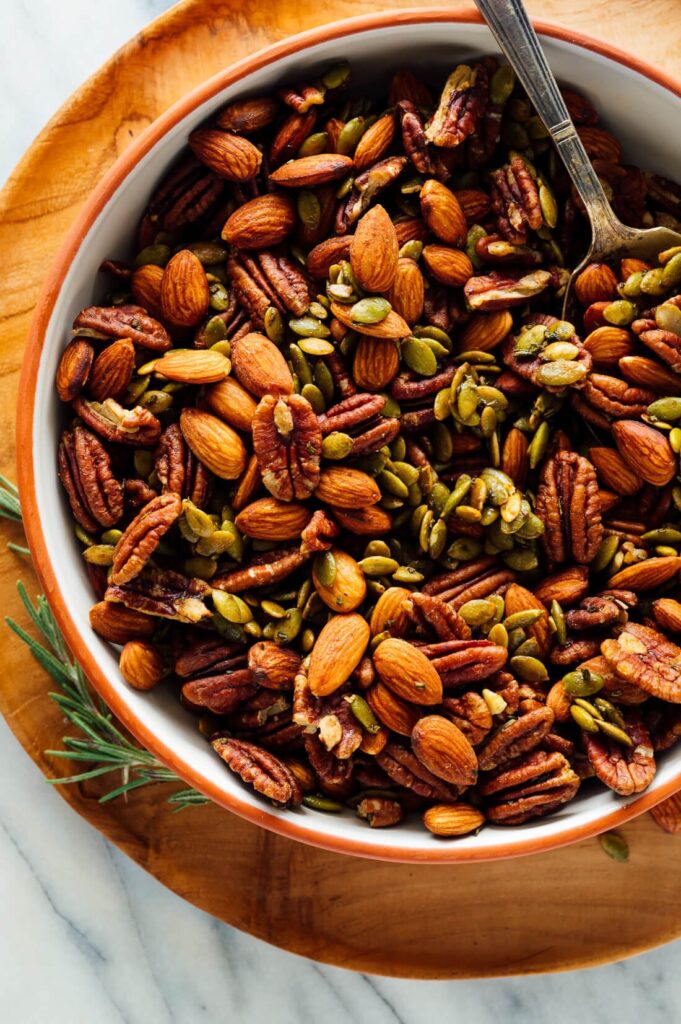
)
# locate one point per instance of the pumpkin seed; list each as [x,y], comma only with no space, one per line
[156,401]
[350,134]
[614,732]
[631,288]
[498,634]
[620,313]
[558,619]
[665,409]
[363,713]
[419,357]
[523,619]
[615,846]
[477,611]
[582,683]
[99,554]
[606,552]
[464,549]
[583,719]
[560,350]
[539,444]
[314,396]
[391,483]
[215,331]
[412,250]
[309,327]
[437,539]
[231,607]
[156,254]
[307,640]
[502,84]
[273,610]
[324,381]
[316,346]
[321,803]
[314,144]
[662,535]
[671,274]
[652,282]
[372,310]
[522,559]
[309,209]
[219,296]
[301,367]
[610,712]
[547,200]
[325,568]
[288,628]
[336,76]
[668,318]
[407,574]
[378,565]
[561,373]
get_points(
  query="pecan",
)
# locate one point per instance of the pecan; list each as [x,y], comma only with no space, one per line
[219,694]
[366,187]
[261,713]
[414,139]
[646,658]
[465,661]
[179,470]
[137,493]
[471,714]
[290,137]
[504,290]
[428,613]
[339,730]
[95,496]
[301,97]
[114,423]
[515,737]
[341,378]
[189,192]
[379,811]
[601,610]
[360,417]
[208,656]
[129,321]
[334,774]
[319,533]
[664,724]
[461,106]
[272,666]
[266,279]
[235,320]
[574,650]
[664,344]
[265,569]
[614,686]
[164,593]
[515,200]
[261,769]
[143,535]
[539,784]
[406,770]
[478,578]
[568,505]
[626,770]
[614,397]
[287,441]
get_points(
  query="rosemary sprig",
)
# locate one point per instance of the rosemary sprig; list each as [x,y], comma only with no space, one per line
[100,746]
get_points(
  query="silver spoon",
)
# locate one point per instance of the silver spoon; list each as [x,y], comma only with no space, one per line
[610,239]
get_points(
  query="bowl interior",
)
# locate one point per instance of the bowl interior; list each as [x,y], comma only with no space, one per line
[622,95]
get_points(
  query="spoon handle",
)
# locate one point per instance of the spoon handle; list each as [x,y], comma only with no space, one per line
[517,39]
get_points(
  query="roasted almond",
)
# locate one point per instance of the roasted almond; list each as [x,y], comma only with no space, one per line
[193,366]
[230,156]
[347,488]
[337,652]
[475,204]
[444,750]
[484,331]
[309,171]
[141,665]
[607,500]
[145,285]
[667,814]
[118,624]
[599,144]
[448,266]
[407,292]
[74,368]
[261,222]
[271,519]
[568,586]
[249,115]
[214,443]
[388,613]
[514,456]
[442,213]
[247,485]
[375,363]
[647,373]
[260,367]
[330,251]
[374,251]
[667,613]
[646,451]
[646,575]
[348,588]
[232,403]
[453,819]
[393,326]
[411,229]
[519,599]
[184,290]
[406,671]
[375,142]
[608,345]
[395,714]
[112,370]
[596,283]
[613,472]
[560,702]
[371,521]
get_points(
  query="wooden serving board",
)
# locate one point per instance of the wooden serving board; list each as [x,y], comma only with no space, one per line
[509,917]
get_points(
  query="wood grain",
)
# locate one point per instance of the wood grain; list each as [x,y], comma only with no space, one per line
[384,918]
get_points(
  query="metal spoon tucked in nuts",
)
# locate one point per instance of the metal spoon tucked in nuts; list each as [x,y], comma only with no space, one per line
[611,239]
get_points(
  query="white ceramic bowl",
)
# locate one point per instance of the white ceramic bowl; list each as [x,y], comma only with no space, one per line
[636,103]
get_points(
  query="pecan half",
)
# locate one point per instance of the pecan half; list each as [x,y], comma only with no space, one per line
[515,200]
[189,192]
[406,770]
[663,724]
[360,417]
[164,593]
[260,769]
[219,694]
[319,533]
[607,609]
[129,321]
[478,578]
[614,398]
[366,187]
[430,614]
[179,470]
[143,535]
[379,811]
[504,290]
[461,105]
[568,505]
[114,423]
[334,774]
[626,770]
[95,496]
[471,714]
[646,658]
[271,567]
[266,279]
[414,139]
[539,784]
[465,661]
[208,656]
[287,441]
[515,737]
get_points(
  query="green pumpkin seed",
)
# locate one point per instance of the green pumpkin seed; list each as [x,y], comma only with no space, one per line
[200,567]
[652,282]
[198,521]
[289,627]
[215,331]
[615,846]
[606,552]
[528,649]
[372,310]
[559,624]
[219,296]
[156,401]
[309,327]
[614,732]
[316,346]
[530,342]
[336,76]
[668,318]
[560,350]
[378,565]
[324,381]
[561,373]
[231,607]
[662,535]
[675,439]
[514,135]
[220,542]
[301,367]
[407,574]
[437,539]
[539,444]
[475,234]
[498,634]
[99,554]
[582,683]
[325,569]
[671,273]
[412,250]
[391,483]
[350,134]
[665,409]
[273,610]
[467,400]
[363,713]
[419,357]
[502,84]
[530,670]
[547,200]
[610,712]
[156,254]
[631,288]
[321,803]
[477,611]
[309,209]
[144,462]
[464,549]
[441,405]
[524,619]
[583,719]
[314,396]
[522,559]
[314,144]
[620,313]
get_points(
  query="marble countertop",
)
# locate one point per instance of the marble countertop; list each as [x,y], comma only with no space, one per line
[85,935]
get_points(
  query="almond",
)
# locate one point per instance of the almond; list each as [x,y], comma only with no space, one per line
[411,229]
[337,653]
[407,292]
[593,315]
[519,599]
[667,612]
[607,500]
[392,327]
[566,587]
[667,814]
[309,171]
[375,363]
[193,366]
[118,624]
[270,519]
[330,251]
[442,213]
[596,283]
[475,203]
[214,443]
[484,331]
[374,743]
[388,613]
[374,251]
[247,485]
[453,819]
[397,715]
[261,222]
[145,285]
[613,471]
[444,750]
[560,702]
[646,575]
[365,522]
[229,155]
[112,370]
[348,589]
[74,368]
[141,665]
[375,142]
[232,403]
[514,458]
[406,671]
[260,367]
[630,265]
[647,373]
[184,290]
[608,345]
[599,144]
[248,115]
[646,451]
[448,266]
[347,488]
